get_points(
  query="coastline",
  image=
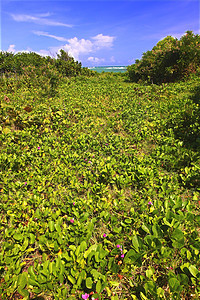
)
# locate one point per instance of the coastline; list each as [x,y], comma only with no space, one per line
[115,69]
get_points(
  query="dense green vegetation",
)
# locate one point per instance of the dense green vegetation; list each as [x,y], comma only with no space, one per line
[22,62]
[170,60]
[99,186]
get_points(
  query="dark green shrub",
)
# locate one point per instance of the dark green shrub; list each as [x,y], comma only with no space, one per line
[170,60]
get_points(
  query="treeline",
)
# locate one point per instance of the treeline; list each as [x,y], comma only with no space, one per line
[33,71]
[17,63]
[169,61]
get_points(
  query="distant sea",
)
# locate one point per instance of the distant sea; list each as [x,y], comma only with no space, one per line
[115,69]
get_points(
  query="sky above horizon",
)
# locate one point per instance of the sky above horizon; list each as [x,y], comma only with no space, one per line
[95,32]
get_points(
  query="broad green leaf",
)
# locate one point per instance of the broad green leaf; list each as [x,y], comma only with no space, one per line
[174,285]
[71,279]
[51,225]
[33,282]
[22,280]
[89,282]
[31,272]
[193,270]
[145,228]
[156,231]
[72,247]
[25,244]
[177,234]
[95,274]
[114,283]
[150,272]
[23,292]
[83,246]
[103,253]
[135,243]
[183,279]
[83,274]
[98,286]
[32,238]
[6,130]
[58,228]
[18,236]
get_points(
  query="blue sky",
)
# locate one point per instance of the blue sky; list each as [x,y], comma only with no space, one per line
[96,33]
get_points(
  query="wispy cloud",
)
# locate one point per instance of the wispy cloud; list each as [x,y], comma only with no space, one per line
[42,33]
[41,20]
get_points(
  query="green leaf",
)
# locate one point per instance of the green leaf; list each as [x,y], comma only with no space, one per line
[135,243]
[6,130]
[83,246]
[51,264]
[97,257]
[32,238]
[25,244]
[51,225]
[174,285]
[114,283]
[193,270]
[156,231]
[183,279]
[22,280]
[33,282]
[83,275]
[71,279]
[98,287]
[178,244]
[31,272]
[58,228]
[89,282]
[23,292]
[177,234]
[145,228]
[150,272]
[103,253]
[95,274]
[18,236]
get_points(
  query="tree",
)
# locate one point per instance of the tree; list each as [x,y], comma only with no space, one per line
[67,65]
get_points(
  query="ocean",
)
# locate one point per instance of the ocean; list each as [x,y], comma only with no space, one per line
[115,69]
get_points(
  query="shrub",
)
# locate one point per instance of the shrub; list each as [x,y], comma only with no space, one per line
[170,60]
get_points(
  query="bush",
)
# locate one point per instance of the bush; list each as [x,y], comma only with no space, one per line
[170,60]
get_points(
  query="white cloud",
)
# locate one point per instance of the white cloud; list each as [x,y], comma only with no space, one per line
[38,20]
[95,59]
[76,47]
[42,33]
[11,48]
[103,41]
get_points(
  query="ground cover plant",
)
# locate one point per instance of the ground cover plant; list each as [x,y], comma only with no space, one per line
[99,187]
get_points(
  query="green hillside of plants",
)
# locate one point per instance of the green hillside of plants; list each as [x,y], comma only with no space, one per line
[99,187]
